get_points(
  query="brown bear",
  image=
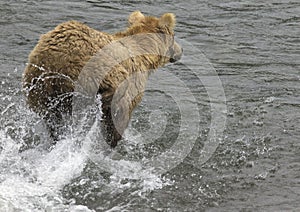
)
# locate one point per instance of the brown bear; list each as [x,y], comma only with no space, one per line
[58,60]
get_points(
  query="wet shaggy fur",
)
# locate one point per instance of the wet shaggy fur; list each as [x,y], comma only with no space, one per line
[65,54]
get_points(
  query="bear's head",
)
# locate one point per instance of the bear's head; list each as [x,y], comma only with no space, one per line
[162,28]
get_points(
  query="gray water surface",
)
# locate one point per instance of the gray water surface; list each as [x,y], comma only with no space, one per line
[254,47]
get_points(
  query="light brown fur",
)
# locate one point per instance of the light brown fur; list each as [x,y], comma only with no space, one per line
[69,51]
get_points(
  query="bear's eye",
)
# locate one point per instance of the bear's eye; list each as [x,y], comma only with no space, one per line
[160,31]
[163,30]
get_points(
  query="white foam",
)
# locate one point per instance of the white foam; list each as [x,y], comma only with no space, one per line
[34,179]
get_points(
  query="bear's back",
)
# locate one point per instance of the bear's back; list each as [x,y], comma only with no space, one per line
[66,49]
[57,60]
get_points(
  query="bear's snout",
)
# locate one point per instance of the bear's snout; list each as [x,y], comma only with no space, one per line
[176,53]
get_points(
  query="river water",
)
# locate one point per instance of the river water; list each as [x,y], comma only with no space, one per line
[217,131]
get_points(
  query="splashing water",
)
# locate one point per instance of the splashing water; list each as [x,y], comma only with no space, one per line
[33,179]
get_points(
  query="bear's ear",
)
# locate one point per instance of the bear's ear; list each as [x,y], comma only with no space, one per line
[136,17]
[167,20]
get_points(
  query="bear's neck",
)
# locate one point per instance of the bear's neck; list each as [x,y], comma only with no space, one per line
[144,51]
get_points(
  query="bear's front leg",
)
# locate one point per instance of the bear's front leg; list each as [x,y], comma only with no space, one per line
[118,104]
[115,119]
[109,131]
